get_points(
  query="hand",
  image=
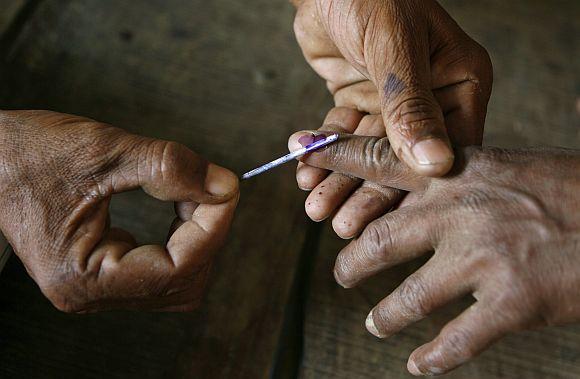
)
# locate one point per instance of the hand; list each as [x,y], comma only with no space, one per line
[58,174]
[504,226]
[407,60]
[351,202]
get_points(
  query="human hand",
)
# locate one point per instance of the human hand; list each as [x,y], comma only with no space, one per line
[58,174]
[407,61]
[504,226]
[351,202]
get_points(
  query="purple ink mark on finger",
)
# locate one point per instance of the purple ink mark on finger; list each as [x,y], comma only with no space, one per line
[394,86]
[309,139]
[306,139]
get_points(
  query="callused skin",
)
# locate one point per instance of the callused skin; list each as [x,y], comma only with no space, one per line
[504,226]
[401,68]
[57,176]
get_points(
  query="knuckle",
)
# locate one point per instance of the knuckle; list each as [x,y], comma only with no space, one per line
[413,297]
[457,347]
[343,267]
[380,158]
[376,240]
[62,300]
[164,160]
[417,116]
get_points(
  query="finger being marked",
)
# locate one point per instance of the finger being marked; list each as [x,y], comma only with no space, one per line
[332,192]
[340,120]
[368,158]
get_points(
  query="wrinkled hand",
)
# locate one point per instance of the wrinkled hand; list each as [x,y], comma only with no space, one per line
[408,61]
[404,64]
[504,226]
[57,176]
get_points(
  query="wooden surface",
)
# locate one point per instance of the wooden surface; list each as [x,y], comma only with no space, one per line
[226,78]
[535,48]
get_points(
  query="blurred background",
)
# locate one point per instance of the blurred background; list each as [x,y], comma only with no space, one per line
[227,79]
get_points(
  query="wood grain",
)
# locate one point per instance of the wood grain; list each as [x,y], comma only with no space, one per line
[535,49]
[225,78]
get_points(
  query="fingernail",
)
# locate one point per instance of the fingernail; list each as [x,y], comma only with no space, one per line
[309,139]
[413,369]
[371,327]
[432,152]
[220,181]
[303,139]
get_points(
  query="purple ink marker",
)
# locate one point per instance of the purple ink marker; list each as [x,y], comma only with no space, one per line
[317,144]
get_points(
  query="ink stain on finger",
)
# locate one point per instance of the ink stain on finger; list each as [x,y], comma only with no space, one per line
[309,139]
[394,86]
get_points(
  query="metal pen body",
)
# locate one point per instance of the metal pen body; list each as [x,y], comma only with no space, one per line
[291,156]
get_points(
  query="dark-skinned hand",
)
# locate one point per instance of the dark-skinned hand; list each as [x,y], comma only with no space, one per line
[406,70]
[504,226]
[57,176]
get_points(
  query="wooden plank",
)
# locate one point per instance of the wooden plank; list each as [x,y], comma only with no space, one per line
[533,45]
[225,78]
[8,11]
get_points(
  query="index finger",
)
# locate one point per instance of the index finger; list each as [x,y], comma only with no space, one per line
[368,158]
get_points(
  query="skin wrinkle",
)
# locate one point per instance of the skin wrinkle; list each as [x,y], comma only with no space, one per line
[340,18]
[499,225]
[394,86]
[61,230]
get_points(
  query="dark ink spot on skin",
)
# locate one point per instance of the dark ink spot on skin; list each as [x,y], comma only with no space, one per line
[394,85]
[126,35]
[320,193]
[309,139]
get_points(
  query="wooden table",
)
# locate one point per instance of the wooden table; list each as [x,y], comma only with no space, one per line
[227,79]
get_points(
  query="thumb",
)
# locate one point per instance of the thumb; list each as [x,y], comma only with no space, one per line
[368,158]
[169,171]
[413,118]
[415,126]
[389,43]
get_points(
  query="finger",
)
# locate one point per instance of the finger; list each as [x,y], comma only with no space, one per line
[400,70]
[395,238]
[413,118]
[184,212]
[363,157]
[367,203]
[152,276]
[435,284]
[460,340]
[340,120]
[332,192]
[328,195]
[362,95]
[168,171]
[465,113]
